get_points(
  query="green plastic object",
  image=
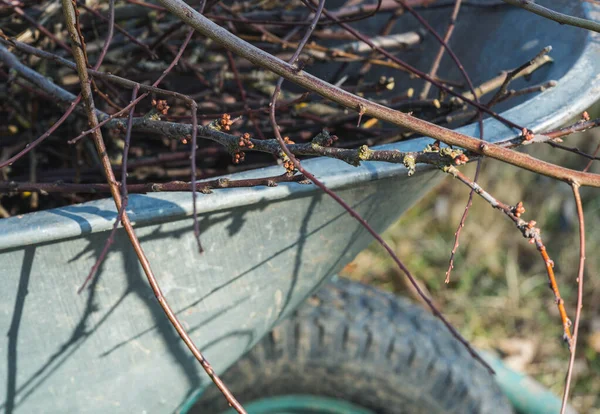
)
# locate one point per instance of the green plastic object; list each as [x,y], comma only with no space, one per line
[525,394]
[302,404]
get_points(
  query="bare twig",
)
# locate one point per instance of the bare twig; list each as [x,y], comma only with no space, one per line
[79,55]
[561,18]
[594,154]
[204,187]
[574,150]
[513,73]
[438,57]
[529,231]
[580,272]
[109,241]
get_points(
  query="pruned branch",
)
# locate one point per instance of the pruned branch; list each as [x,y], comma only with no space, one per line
[314,84]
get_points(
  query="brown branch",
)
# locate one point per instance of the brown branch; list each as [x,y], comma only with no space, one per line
[86,92]
[580,272]
[530,232]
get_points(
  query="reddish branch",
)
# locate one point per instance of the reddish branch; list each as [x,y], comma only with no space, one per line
[79,54]
[124,198]
[530,232]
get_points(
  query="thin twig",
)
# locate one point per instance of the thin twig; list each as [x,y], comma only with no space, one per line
[458,63]
[513,73]
[79,55]
[438,57]
[574,150]
[561,18]
[204,187]
[125,199]
[595,153]
[580,272]
[529,231]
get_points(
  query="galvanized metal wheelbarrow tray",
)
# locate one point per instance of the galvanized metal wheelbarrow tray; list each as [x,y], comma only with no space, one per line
[112,350]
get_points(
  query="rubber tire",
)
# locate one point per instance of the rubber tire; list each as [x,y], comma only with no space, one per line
[359,344]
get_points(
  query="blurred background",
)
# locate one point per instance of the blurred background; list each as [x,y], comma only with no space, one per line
[498,296]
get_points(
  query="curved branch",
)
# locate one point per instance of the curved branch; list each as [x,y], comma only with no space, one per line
[561,18]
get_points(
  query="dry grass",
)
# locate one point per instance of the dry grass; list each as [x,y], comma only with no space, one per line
[499,296]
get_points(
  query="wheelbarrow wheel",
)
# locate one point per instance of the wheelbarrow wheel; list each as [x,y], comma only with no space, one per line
[354,349]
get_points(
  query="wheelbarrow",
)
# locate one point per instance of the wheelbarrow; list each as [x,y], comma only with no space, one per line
[266,249]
